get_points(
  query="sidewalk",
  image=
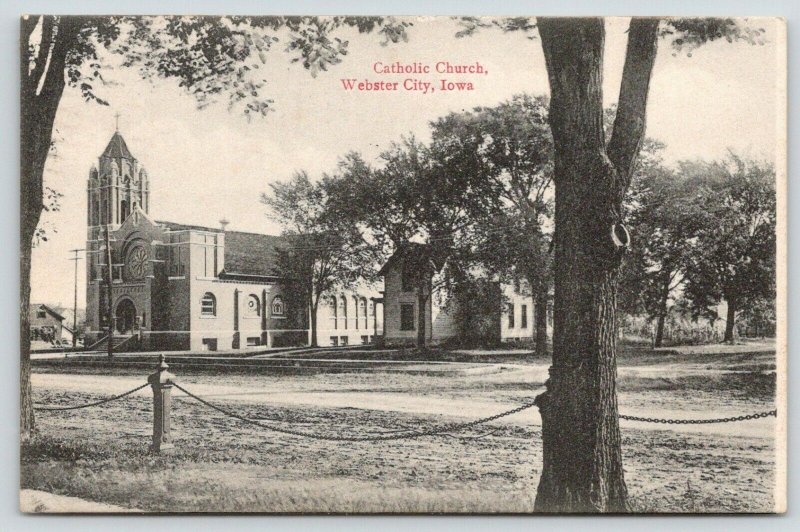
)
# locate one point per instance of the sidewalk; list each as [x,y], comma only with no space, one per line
[35,501]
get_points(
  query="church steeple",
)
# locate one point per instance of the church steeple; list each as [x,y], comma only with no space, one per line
[117,186]
[117,148]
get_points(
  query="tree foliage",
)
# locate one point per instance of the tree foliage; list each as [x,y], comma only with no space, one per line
[733,252]
[322,250]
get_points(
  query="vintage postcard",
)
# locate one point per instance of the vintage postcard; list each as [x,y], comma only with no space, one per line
[375,264]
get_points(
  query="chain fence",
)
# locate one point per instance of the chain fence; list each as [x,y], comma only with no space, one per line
[699,421]
[402,434]
[96,403]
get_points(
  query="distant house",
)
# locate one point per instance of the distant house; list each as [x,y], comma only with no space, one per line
[47,326]
[401,297]
[502,312]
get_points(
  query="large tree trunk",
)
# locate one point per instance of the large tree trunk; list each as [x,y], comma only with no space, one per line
[40,94]
[731,320]
[540,315]
[582,470]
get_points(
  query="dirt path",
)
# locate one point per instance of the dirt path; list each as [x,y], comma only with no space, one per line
[363,395]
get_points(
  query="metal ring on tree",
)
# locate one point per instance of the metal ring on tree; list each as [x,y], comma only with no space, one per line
[620,236]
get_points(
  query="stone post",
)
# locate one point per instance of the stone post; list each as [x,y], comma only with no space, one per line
[161,382]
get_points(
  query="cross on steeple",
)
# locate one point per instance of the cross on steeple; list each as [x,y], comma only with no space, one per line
[116,118]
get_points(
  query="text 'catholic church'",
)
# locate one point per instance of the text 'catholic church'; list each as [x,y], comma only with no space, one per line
[186,287]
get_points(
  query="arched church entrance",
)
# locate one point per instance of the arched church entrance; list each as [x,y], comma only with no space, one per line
[126,316]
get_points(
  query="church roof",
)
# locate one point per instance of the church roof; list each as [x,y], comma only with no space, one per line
[248,255]
[117,147]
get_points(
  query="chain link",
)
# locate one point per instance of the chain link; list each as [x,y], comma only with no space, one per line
[409,434]
[96,403]
[699,421]
[386,437]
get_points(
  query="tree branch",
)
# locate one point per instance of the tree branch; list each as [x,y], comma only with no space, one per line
[629,124]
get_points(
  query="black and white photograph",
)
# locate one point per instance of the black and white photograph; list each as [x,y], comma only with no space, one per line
[402,264]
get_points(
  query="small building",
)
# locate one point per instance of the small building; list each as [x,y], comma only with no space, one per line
[401,318]
[495,312]
[47,327]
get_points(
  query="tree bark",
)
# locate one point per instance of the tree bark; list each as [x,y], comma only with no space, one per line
[313,323]
[662,313]
[731,319]
[582,470]
[540,315]
[40,94]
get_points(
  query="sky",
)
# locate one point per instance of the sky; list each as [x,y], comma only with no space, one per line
[205,165]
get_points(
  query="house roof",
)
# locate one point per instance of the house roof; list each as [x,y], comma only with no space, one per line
[117,148]
[414,250]
[250,255]
[52,312]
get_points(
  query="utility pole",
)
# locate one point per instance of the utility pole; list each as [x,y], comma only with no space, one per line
[75,259]
[110,310]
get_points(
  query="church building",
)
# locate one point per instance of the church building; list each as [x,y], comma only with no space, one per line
[186,287]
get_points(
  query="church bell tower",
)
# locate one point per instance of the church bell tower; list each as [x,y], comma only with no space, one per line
[117,187]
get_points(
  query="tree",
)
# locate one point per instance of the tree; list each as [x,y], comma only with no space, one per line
[666,219]
[210,57]
[323,250]
[582,469]
[425,195]
[514,144]
[580,424]
[733,255]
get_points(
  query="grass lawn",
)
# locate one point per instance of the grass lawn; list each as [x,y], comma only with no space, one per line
[223,465]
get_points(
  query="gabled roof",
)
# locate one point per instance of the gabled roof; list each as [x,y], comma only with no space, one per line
[414,251]
[49,310]
[249,255]
[117,148]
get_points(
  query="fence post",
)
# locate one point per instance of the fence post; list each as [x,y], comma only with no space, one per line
[161,382]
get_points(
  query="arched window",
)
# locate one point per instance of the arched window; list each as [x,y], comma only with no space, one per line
[343,311]
[208,305]
[332,305]
[362,311]
[125,211]
[253,306]
[277,306]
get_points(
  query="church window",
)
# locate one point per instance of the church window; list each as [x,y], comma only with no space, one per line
[208,305]
[524,317]
[333,311]
[137,261]
[372,308]
[362,310]
[125,210]
[511,324]
[343,311]
[253,306]
[278,308]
